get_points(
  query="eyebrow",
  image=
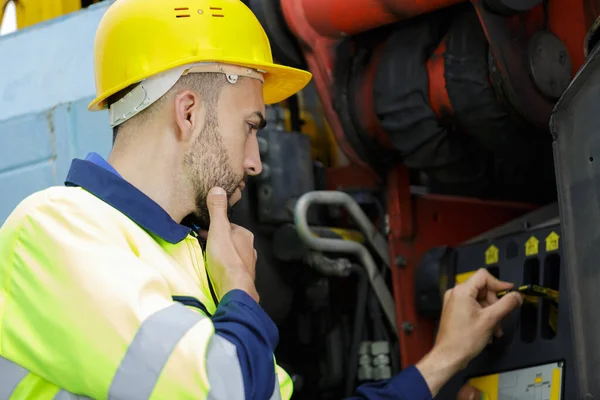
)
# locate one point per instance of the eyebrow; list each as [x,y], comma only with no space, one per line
[262,121]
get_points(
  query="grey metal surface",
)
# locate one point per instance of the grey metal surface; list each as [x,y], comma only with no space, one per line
[550,64]
[287,170]
[575,125]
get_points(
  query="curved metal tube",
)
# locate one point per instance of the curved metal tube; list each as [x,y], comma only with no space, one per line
[332,197]
[344,246]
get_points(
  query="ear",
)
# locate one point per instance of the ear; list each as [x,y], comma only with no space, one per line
[189,114]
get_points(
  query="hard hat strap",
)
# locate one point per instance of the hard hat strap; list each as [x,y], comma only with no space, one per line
[153,88]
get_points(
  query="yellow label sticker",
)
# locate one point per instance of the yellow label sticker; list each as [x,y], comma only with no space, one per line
[538,379]
[532,246]
[491,255]
[556,384]
[488,385]
[552,241]
[460,278]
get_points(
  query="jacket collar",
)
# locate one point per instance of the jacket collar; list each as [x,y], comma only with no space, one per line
[98,177]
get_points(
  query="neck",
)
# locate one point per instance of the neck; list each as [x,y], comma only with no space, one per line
[152,166]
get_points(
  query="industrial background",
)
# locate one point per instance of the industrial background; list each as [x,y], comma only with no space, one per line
[437,137]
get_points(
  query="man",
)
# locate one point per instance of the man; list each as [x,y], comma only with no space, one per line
[106,293]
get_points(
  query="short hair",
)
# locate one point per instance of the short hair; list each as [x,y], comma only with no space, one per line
[207,84]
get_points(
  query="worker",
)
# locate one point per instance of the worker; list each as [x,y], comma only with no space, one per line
[109,288]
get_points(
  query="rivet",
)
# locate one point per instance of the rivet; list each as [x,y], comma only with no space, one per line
[200,12]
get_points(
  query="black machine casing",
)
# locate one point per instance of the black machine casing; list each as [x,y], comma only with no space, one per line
[575,125]
[528,339]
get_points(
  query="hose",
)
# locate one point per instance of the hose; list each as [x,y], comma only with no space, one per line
[373,236]
[359,322]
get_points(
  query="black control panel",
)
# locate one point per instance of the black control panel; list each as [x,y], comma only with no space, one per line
[534,358]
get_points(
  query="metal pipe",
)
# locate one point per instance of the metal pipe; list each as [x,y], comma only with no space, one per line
[338,18]
[332,197]
[348,247]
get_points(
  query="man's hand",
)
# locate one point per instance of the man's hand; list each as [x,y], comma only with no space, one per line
[470,315]
[468,392]
[230,254]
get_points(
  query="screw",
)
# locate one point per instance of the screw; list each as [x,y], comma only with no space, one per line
[562,57]
[400,261]
[200,12]
[407,327]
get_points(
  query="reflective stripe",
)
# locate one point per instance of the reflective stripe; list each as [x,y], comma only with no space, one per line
[11,375]
[277,391]
[224,370]
[149,351]
[64,395]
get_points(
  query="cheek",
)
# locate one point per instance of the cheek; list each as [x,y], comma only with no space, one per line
[236,152]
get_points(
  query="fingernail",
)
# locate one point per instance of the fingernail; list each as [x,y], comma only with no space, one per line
[217,191]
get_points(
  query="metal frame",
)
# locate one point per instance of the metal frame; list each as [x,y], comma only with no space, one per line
[418,223]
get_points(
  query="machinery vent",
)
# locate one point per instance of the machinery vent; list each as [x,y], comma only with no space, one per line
[217,12]
[184,12]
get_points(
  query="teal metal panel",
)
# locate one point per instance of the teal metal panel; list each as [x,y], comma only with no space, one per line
[36,150]
[48,64]
[46,83]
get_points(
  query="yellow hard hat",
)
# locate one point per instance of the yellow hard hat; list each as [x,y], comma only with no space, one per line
[141,39]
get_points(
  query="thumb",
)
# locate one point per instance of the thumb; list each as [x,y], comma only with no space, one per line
[468,392]
[500,309]
[217,208]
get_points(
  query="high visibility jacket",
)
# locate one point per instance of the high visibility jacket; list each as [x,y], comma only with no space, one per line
[103,295]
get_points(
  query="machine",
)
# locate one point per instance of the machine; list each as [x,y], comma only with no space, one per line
[437,137]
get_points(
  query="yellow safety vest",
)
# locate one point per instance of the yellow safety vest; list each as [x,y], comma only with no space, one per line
[102,295]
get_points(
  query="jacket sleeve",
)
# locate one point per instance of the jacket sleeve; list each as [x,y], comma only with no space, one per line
[407,385]
[81,310]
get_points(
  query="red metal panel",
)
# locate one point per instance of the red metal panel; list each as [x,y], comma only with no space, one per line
[351,177]
[419,223]
[570,20]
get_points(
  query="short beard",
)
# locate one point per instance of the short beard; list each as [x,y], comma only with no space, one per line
[209,167]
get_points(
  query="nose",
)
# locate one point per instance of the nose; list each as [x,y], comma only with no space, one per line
[252,162]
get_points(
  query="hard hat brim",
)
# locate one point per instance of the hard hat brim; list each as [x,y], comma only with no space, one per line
[281,82]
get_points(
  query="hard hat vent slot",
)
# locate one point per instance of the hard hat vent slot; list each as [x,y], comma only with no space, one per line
[220,15]
[180,14]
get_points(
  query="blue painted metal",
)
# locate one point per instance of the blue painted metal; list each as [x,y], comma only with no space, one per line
[46,83]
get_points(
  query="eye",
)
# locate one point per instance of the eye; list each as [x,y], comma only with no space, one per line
[252,128]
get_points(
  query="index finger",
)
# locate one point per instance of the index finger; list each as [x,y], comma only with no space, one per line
[481,280]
